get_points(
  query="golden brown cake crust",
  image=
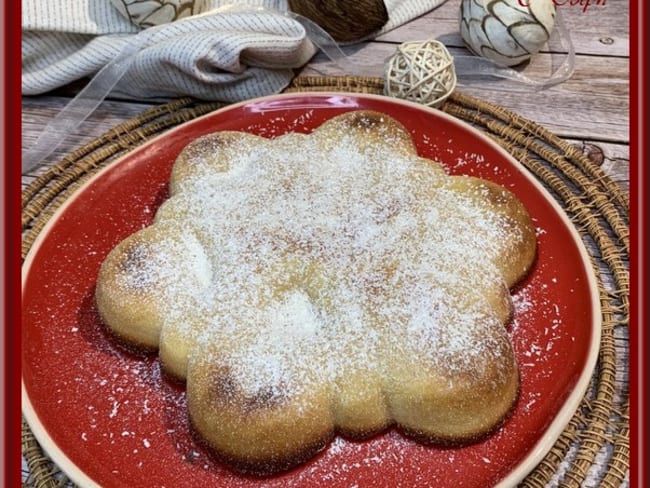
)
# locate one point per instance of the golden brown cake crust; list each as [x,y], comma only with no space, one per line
[327,283]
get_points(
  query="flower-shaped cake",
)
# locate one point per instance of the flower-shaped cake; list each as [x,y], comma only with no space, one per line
[327,283]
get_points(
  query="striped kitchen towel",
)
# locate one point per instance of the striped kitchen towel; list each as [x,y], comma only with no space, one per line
[208,49]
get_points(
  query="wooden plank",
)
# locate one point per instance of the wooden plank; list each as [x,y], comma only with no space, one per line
[37,112]
[602,29]
[589,110]
[612,157]
[593,104]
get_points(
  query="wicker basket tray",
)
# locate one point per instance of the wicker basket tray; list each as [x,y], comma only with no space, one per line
[594,447]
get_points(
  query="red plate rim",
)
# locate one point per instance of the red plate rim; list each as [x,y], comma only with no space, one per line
[293,100]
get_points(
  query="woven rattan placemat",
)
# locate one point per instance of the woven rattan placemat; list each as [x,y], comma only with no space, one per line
[594,448]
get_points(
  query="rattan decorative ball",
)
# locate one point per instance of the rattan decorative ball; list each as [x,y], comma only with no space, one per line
[421,72]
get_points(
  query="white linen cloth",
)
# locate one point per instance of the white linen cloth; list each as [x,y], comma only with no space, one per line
[234,54]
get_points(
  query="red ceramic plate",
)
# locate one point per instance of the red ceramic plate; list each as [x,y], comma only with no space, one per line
[108,418]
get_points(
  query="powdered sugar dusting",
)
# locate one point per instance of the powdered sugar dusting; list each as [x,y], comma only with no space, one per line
[303,259]
[148,410]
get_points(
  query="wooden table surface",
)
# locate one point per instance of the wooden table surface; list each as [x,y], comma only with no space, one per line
[590,109]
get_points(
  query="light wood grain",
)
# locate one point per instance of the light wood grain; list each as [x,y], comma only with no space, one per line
[601,30]
[590,110]
[592,104]
[37,112]
[612,158]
